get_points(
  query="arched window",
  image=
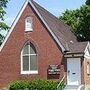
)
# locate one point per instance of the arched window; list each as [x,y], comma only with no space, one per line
[29,59]
[28,24]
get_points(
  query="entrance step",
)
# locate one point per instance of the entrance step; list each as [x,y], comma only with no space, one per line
[74,87]
[71,87]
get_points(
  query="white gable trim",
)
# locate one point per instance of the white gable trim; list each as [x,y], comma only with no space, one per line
[63,49]
[14,23]
[17,18]
[87,51]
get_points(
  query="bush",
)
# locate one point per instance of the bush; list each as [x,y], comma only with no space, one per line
[34,85]
[19,85]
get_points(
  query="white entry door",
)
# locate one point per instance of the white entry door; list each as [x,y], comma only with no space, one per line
[73,71]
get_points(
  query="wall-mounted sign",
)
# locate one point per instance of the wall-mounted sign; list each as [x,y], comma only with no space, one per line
[54,69]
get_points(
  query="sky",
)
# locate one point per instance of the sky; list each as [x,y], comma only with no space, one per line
[56,7]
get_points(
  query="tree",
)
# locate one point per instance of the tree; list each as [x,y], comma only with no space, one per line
[88,2]
[3,26]
[79,20]
[70,17]
[83,30]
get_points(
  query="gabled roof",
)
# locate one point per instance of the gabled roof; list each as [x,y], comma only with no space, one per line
[60,31]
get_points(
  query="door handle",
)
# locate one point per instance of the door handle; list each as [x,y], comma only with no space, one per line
[73,73]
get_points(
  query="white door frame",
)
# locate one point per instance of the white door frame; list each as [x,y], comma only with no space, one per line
[73,71]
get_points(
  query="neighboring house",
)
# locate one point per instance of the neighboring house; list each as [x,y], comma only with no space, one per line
[39,46]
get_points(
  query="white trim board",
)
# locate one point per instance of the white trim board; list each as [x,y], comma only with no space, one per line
[17,18]
[14,24]
[87,51]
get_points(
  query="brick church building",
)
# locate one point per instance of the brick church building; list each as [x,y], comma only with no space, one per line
[39,46]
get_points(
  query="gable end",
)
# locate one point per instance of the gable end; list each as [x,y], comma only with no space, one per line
[17,18]
[87,51]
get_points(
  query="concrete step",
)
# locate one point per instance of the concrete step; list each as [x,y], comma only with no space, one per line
[71,87]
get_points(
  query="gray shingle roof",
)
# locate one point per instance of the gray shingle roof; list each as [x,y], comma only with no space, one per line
[77,47]
[61,31]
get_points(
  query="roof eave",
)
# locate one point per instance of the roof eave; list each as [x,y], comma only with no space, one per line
[74,53]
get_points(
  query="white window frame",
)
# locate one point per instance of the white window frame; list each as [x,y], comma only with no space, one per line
[30,71]
[29,28]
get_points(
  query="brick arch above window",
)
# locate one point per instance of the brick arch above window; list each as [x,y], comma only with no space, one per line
[30,40]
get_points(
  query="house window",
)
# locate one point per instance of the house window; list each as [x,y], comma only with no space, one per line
[28,24]
[29,60]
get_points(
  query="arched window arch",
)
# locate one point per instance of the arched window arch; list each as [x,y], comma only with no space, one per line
[29,59]
[28,24]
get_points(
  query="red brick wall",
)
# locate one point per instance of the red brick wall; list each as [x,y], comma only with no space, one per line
[48,51]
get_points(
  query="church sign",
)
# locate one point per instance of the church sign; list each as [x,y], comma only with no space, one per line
[54,69]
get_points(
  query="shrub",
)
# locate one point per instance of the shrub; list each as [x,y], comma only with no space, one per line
[34,85]
[19,85]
